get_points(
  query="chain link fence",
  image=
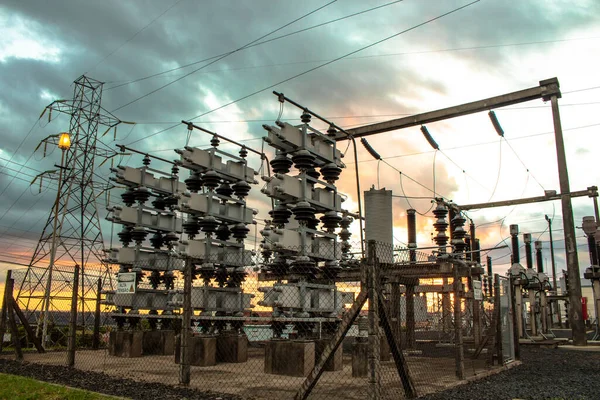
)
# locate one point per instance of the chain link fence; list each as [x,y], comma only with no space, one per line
[260,326]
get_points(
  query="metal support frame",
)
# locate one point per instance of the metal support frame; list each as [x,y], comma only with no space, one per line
[548,90]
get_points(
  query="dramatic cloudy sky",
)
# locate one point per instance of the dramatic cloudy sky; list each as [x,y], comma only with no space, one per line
[486,49]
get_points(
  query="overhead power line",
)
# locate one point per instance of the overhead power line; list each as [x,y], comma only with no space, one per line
[254,45]
[316,68]
[221,57]
[133,37]
[483,47]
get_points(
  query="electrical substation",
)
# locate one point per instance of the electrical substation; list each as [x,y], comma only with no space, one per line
[323,305]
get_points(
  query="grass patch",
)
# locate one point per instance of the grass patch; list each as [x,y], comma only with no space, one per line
[19,388]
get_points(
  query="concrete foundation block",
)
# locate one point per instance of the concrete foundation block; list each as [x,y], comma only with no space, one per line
[289,357]
[126,344]
[384,350]
[336,363]
[203,350]
[232,348]
[360,358]
[158,343]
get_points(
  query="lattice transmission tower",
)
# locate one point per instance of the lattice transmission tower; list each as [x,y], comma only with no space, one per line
[72,233]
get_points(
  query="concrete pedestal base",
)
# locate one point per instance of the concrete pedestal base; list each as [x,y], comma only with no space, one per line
[336,363]
[232,348]
[360,355]
[126,344]
[384,350]
[158,343]
[290,358]
[203,350]
[360,358]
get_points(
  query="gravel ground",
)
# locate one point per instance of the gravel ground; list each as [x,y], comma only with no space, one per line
[105,384]
[545,374]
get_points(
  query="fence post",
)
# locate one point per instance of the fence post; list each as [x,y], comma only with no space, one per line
[184,366]
[517,318]
[410,316]
[374,338]
[458,338]
[96,340]
[14,332]
[3,314]
[498,315]
[73,322]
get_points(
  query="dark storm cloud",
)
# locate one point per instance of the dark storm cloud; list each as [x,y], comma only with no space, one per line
[85,32]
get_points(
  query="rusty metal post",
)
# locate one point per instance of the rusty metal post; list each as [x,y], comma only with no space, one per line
[71,343]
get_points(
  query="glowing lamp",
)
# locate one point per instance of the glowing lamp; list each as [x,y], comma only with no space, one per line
[64,141]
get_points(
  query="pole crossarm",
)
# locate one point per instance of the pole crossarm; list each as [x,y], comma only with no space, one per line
[70,106]
[546,89]
[592,191]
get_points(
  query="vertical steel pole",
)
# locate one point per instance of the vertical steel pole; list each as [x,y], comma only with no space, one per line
[184,366]
[458,338]
[575,311]
[96,340]
[374,337]
[71,344]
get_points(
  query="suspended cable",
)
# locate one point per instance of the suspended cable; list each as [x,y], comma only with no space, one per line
[525,166]
[133,37]
[256,44]
[317,67]
[163,73]
[220,58]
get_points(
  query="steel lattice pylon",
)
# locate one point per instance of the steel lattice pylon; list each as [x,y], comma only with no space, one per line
[72,233]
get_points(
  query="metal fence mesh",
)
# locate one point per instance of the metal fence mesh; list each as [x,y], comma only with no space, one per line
[257,326]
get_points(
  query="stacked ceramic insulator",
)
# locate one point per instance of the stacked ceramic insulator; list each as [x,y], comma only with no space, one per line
[300,238]
[441,224]
[150,226]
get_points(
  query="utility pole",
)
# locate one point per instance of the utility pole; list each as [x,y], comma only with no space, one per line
[575,311]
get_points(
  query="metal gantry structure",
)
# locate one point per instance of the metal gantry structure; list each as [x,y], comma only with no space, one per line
[548,90]
[72,234]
